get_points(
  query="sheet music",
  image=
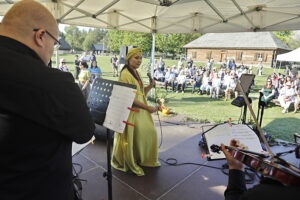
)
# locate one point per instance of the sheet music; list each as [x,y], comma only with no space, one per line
[121,98]
[224,133]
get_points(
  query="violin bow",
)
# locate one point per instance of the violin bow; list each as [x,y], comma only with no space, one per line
[264,140]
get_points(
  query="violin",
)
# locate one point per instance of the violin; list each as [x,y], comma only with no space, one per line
[273,167]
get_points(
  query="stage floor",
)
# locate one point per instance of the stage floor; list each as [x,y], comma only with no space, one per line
[185,182]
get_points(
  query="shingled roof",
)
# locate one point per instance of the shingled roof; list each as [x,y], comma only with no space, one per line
[64,45]
[244,40]
[98,47]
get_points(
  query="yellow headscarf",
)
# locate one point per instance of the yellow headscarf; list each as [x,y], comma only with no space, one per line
[132,52]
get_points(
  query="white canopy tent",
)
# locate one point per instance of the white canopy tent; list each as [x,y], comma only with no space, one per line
[293,56]
[176,16]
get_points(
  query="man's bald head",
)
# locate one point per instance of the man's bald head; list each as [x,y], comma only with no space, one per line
[24,16]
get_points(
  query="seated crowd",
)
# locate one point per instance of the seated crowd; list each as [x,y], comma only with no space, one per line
[285,88]
[203,80]
[222,82]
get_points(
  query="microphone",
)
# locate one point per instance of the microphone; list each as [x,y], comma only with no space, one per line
[150,78]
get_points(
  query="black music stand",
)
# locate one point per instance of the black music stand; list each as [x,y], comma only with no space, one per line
[246,80]
[98,101]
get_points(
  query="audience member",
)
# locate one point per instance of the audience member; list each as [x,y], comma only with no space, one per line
[260,69]
[268,92]
[63,66]
[197,81]
[95,71]
[84,79]
[286,96]
[230,87]
[205,87]
[77,68]
[181,79]
[114,65]
[159,75]
[297,97]
[161,64]
[215,88]
[170,77]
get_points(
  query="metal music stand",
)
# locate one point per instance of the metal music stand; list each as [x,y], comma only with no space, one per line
[98,101]
[245,81]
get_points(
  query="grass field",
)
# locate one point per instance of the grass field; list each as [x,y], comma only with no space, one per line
[202,108]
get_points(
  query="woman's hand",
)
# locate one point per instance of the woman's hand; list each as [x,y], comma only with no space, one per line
[152,84]
[152,109]
[233,163]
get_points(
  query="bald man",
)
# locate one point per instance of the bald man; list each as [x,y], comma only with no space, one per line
[42,110]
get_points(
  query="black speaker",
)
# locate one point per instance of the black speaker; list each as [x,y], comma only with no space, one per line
[123,51]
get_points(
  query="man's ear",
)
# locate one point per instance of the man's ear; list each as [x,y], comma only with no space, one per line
[39,37]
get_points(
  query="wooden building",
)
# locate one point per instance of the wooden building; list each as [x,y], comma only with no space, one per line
[99,48]
[64,46]
[245,48]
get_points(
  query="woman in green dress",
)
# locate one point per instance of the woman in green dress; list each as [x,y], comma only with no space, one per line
[268,92]
[138,145]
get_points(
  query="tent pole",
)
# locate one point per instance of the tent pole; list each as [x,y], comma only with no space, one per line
[152,54]
[279,67]
[152,59]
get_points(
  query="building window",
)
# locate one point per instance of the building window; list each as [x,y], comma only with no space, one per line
[194,54]
[239,55]
[259,57]
[208,54]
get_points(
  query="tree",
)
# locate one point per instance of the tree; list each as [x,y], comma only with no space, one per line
[173,43]
[294,43]
[285,36]
[74,37]
[116,39]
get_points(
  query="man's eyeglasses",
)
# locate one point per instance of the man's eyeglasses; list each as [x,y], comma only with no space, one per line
[57,43]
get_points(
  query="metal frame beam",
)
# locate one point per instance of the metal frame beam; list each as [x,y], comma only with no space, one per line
[71,9]
[215,10]
[242,12]
[134,20]
[106,7]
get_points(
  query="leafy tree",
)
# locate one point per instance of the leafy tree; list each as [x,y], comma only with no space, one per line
[294,43]
[74,37]
[116,39]
[173,43]
[94,36]
[285,36]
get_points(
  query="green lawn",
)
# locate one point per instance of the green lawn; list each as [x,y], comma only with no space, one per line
[202,108]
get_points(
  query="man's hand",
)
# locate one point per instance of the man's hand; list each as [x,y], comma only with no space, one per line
[233,163]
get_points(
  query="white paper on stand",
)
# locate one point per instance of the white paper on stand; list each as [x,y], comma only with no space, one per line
[223,133]
[121,98]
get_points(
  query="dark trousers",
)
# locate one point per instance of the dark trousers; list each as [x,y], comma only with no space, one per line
[182,86]
[171,83]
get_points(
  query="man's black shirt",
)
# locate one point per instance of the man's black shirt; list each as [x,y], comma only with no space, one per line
[42,111]
[267,189]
